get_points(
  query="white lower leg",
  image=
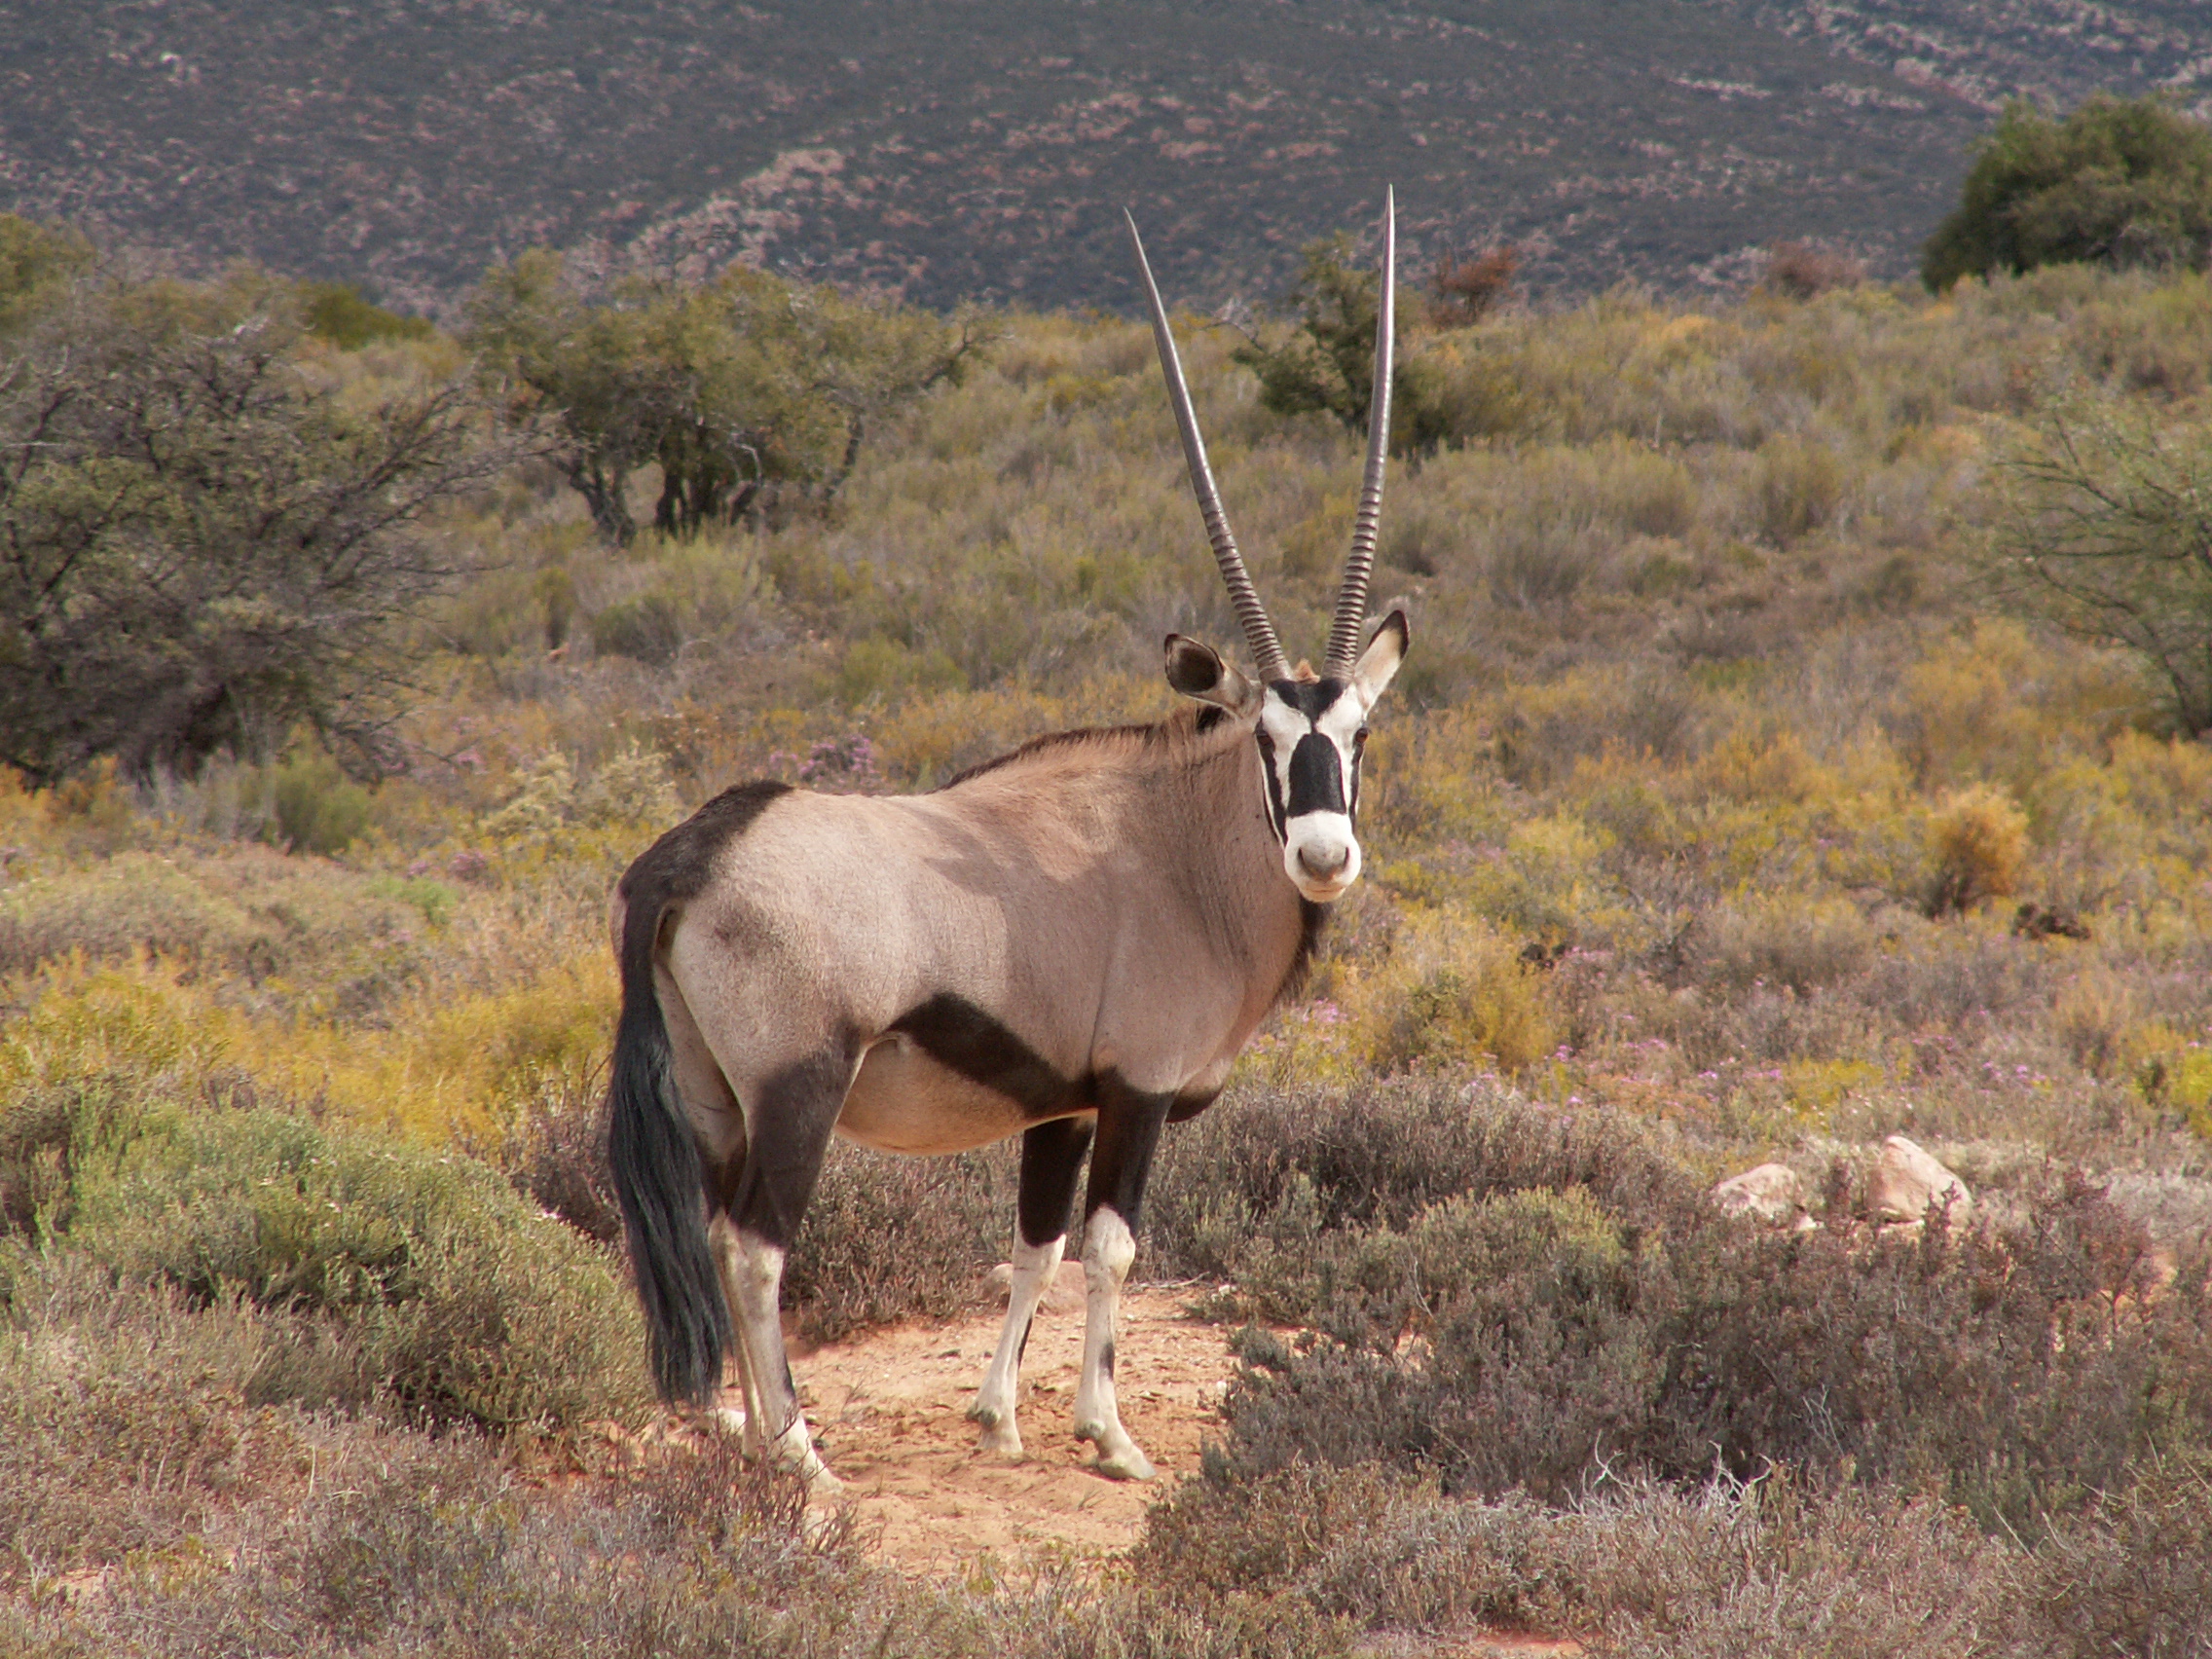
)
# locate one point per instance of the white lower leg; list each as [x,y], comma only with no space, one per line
[996,1402]
[772,1401]
[744,1419]
[1108,1249]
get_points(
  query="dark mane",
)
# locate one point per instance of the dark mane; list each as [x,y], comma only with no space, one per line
[1185,722]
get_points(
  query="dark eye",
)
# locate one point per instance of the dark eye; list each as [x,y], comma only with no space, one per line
[1359,738]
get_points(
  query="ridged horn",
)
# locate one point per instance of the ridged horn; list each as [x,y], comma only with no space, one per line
[1351,598]
[1259,632]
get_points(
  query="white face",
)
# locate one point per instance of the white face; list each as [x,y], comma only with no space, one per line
[1310,734]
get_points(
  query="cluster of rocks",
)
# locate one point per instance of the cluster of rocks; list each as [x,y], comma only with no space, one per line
[1908,1186]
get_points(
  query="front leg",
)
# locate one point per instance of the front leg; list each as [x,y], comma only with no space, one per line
[1051,1156]
[1129,1132]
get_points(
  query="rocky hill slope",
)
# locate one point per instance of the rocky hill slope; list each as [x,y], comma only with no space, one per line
[956,148]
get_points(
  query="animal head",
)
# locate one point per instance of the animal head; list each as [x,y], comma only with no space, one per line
[1309,727]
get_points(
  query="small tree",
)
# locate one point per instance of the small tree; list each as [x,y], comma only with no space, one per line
[734,388]
[2120,181]
[1465,291]
[203,541]
[1326,362]
[2108,531]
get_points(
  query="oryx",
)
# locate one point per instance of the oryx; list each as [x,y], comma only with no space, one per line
[1072,942]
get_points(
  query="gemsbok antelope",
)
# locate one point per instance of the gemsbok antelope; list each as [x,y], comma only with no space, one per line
[1072,942]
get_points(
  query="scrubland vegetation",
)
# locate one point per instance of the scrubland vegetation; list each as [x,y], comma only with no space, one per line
[1735,805]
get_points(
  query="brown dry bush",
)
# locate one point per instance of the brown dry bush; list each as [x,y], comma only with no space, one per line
[888,1237]
[1805,269]
[2017,1370]
[2133,1577]
[1775,1567]
[1977,841]
[1253,1187]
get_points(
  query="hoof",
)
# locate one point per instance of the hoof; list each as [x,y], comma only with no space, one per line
[1000,1438]
[1120,1458]
[1126,1464]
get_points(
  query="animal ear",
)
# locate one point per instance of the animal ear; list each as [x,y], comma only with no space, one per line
[1197,670]
[1379,663]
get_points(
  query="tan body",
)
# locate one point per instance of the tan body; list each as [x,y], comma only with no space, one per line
[1114,901]
[1072,944]
[1080,923]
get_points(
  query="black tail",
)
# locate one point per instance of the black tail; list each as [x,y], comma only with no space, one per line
[658,1174]
[662,1185]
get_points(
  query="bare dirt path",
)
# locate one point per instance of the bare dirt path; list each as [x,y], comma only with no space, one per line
[889,1410]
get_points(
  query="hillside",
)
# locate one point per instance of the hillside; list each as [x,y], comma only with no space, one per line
[955,149]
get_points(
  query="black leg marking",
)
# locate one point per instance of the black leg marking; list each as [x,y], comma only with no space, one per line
[791,1123]
[1129,1122]
[1021,1348]
[1106,1359]
[1051,1157]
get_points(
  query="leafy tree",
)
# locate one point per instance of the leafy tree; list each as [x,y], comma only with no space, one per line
[1326,363]
[37,262]
[2108,532]
[342,314]
[206,541]
[735,388]
[2120,181]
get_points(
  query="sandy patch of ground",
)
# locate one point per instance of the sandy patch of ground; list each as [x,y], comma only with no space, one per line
[889,1411]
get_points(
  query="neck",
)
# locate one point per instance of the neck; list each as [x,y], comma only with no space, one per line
[1257,917]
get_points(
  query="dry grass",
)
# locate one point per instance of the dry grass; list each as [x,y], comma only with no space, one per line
[1697,835]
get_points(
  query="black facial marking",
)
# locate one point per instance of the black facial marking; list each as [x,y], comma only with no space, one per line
[1277,817]
[1316,777]
[1309,697]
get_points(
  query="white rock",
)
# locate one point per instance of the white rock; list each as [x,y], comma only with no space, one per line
[1909,1185]
[1772,1193]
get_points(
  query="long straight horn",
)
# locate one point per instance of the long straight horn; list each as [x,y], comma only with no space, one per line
[1259,632]
[1351,598]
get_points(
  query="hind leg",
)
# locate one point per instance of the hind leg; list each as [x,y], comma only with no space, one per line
[1051,1156]
[729,1259]
[789,1124]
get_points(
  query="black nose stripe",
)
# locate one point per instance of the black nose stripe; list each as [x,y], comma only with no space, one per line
[1316,776]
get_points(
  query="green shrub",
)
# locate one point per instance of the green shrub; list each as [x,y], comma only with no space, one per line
[2134,1577]
[429,1277]
[2120,181]
[1251,1190]
[318,809]
[645,628]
